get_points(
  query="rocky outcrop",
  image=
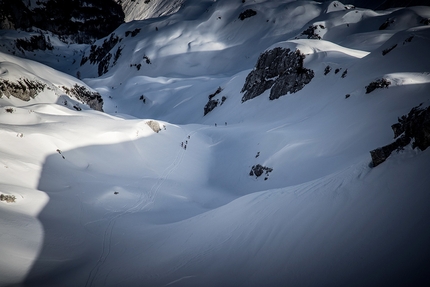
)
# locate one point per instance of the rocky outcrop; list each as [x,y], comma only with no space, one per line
[413,127]
[100,54]
[23,89]
[9,198]
[280,70]
[214,102]
[38,42]
[388,50]
[93,99]
[258,170]
[378,84]
[154,125]
[312,31]
[247,14]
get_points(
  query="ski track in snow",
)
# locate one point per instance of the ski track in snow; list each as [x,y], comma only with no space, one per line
[141,205]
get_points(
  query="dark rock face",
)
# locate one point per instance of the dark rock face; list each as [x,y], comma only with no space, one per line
[416,125]
[388,50]
[210,105]
[38,42]
[214,102]
[378,84]
[82,21]
[101,55]
[247,14]
[92,99]
[23,89]
[258,170]
[280,70]
[386,24]
[132,33]
[311,32]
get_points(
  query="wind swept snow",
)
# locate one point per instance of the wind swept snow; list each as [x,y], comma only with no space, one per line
[155,192]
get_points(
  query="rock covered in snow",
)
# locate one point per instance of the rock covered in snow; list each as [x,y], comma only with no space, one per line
[280,70]
[23,89]
[92,99]
[415,126]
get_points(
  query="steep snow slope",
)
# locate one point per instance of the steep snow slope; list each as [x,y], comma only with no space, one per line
[153,193]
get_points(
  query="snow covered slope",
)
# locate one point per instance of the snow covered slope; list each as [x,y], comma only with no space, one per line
[180,182]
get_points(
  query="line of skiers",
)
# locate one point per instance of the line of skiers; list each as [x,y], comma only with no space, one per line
[184,145]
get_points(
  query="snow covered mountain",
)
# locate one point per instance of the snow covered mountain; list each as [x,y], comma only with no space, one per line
[219,143]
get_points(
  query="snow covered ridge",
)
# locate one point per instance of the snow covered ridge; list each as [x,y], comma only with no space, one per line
[24,82]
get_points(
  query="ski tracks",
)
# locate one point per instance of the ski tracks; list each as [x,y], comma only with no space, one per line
[140,205]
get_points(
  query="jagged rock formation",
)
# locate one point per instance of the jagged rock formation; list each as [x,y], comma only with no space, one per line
[258,170]
[415,126]
[378,84]
[280,70]
[93,99]
[213,103]
[23,89]
[81,21]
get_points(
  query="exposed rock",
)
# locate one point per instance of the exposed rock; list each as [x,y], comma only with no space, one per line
[210,105]
[408,39]
[386,24]
[81,21]
[259,170]
[7,197]
[388,50]
[327,70]
[425,21]
[280,70]
[247,14]
[344,73]
[23,89]
[93,99]
[132,33]
[311,32]
[154,125]
[38,42]
[415,126]
[213,103]
[378,84]
[101,54]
